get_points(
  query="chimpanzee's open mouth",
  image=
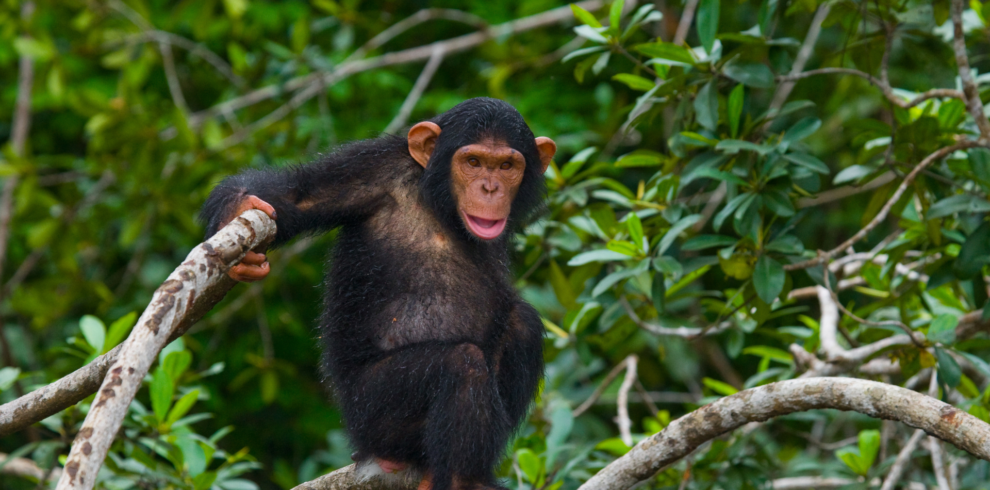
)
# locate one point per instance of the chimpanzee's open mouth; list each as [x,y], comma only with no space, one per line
[486,229]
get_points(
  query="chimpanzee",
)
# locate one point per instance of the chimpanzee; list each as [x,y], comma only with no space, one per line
[431,354]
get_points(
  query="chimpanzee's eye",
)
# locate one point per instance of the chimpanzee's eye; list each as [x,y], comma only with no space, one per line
[506,165]
[474,162]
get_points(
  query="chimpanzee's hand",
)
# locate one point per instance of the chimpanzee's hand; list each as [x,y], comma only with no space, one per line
[254,266]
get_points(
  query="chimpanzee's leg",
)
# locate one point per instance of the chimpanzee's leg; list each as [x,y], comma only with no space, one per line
[433,405]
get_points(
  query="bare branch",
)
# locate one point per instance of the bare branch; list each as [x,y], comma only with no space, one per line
[26,468]
[888,92]
[687,17]
[897,470]
[22,110]
[194,48]
[882,215]
[934,445]
[412,55]
[872,398]
[685,332]
[806,482]
[417,91]
[420,17]
[843,192]
[622,418]
[784,89]
[202,273]
[601,389]
[973,103]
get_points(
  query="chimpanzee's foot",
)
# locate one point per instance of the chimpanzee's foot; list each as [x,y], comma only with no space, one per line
[425,483]
[390,466]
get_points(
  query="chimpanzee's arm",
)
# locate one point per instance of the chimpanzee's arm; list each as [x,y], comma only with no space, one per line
[346,185]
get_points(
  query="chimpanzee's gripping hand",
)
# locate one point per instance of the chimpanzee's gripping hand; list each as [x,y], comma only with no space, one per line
[254,266]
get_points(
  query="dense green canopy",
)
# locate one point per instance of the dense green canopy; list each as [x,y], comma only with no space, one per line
[744,192]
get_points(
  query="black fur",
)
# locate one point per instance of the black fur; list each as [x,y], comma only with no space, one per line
[432,355]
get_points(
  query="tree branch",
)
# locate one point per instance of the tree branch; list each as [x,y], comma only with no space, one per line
[882,215]
[784,89]
[26,468]
[872,398]
[897,470]
[420,53]
[622,418]
[417,91]
[687,17]
[888,92]
[972,99]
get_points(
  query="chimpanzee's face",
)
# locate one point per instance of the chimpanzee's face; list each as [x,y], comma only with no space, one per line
[485,178]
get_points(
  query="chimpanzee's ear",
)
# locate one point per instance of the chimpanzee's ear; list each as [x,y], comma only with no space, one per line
[547,149]
[422,140]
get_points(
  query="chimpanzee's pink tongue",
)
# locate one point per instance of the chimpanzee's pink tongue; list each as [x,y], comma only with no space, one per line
[485,223]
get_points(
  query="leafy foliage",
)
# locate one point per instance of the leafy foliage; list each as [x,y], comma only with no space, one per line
[683,202]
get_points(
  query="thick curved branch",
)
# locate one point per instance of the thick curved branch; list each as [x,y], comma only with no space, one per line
[875,399]
[203,272]
[26,468]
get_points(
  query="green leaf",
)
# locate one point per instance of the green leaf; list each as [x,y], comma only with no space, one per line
[974,253]
[640,158]
[719,387]
[529,463]
[8,376]
[768,278]
[687,279]
[666,51]
[613,445]
[802,129]
[623,247]
[736,99]
[949,371]
[850,457]
[182,406]
[119,330]
[702,242]
[176,363]
[591,34]
[735,146]
[93,331]
[869,446]
[162,388]
[961,203]
[769,352]
[634,82]
[659,294]
[943,329]
[755,75]
[596,256]
[778,202]
[584,16]
[615,14]
[706,106]
[561,286]
[707,22]
[635,227]
[951,113]
[675,230]
[807,161]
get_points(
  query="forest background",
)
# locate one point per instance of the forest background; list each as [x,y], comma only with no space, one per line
[744,192]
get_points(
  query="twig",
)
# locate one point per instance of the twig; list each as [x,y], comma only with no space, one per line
[806,482]
[934,445]
[973,103]
[843,192]
[687,17]
[888,92]
[714,199]
[599,390]
[201,274]
[882,215]
[685,332]
[417,91]
[645,397]
[168,61]
[413,20]
[807,48]
[26,468]
[835,300]
[903,457]
[411,55]
[194,48]
[25,78]
[622,418]
[878,400]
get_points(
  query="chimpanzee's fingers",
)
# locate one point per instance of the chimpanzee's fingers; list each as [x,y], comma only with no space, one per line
[249,273]
[254,202]
[253,258]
